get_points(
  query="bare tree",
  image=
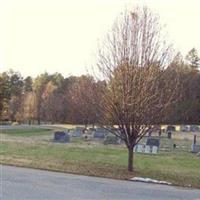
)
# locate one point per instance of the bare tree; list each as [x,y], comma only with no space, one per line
[29,107]
[84,96]
[133,60]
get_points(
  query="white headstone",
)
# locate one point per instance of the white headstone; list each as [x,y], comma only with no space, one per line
[140,148]
[147,149]
[155,150]
[135,148]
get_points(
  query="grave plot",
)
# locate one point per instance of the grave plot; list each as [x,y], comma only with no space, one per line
[151,146]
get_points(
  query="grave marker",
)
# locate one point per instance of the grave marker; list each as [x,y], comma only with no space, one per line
[194,128]
[78,132]
[100,133]
[140,148]
[147,149]
[153,142]
[169,134]
[154,149]
[111,139]
[60,136]
[171,128]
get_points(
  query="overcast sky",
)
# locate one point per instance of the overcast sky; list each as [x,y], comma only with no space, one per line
[61,35]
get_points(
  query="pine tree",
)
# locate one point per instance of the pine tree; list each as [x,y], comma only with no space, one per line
[193,58]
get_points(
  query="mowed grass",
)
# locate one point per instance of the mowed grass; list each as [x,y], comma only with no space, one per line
[177,166]
[26,132]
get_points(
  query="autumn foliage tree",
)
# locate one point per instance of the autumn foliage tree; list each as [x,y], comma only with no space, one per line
[84,95]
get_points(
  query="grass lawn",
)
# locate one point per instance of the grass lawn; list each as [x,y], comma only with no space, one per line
[26,132]
[177,166]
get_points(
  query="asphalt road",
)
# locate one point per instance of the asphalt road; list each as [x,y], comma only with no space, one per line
[29,184]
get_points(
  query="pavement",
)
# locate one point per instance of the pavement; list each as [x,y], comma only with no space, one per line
[30,184]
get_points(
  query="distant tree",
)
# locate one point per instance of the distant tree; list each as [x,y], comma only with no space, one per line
[38,88]
[193,59]
[49,103]
[29,106]
[28,84]
[83,95]
[133,61]
[16,83]
[187,110]
[11,91]
[1,95]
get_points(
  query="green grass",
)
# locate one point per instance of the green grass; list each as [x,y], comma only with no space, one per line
[177,166]
[26,132]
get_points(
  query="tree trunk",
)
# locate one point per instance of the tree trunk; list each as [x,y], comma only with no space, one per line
[130,159]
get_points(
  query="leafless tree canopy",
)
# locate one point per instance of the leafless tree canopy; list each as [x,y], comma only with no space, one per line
[134,61]
[135,38]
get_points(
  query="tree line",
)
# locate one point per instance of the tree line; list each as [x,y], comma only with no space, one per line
[51,98]
[48,98]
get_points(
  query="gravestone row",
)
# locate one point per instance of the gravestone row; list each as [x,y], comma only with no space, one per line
[99,133]
[151,147]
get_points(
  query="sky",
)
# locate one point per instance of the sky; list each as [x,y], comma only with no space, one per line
[62,35]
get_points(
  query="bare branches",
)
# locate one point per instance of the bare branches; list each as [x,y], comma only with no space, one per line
[134,61]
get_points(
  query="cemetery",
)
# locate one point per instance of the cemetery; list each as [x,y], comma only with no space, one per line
[102,154]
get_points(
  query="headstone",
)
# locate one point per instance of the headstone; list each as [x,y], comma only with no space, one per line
[147,149]
[163,130]
[171,128]
[195,148]
[111,139]
[169,134]
[153,142]
[140,148]
[100,133]
[60,136]
[91,130]
[78,132]
[135,148]
[195,139]
[87,137]
[154,149]
[184,128]
[194,128]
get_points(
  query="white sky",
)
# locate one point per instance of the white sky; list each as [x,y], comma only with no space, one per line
[61,35]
